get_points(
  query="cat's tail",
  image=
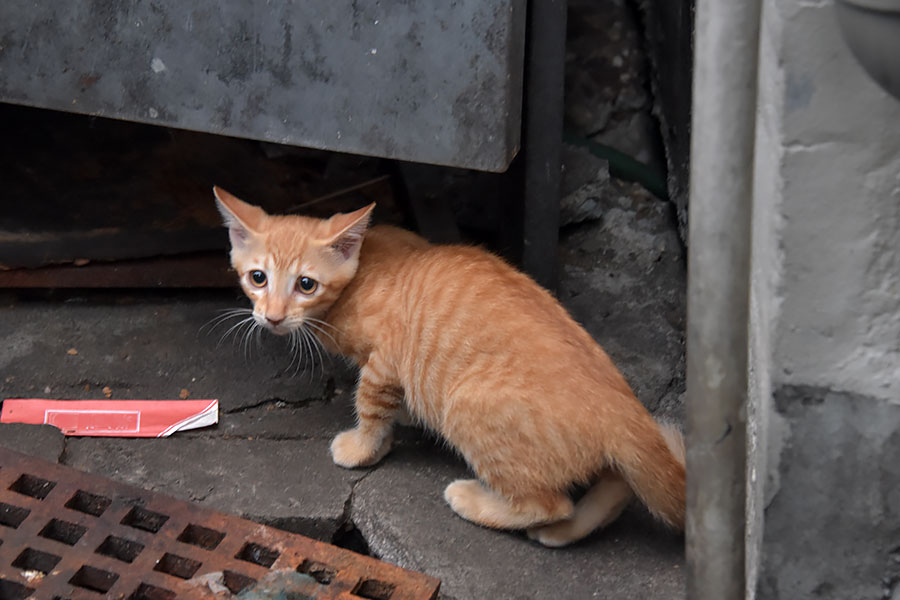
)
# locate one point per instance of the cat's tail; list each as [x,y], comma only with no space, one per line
[652,461]
[656,474]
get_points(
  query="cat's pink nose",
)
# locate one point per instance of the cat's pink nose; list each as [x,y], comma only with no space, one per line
[274,322]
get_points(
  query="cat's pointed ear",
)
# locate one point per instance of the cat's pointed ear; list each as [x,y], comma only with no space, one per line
[243,220]
[346,231]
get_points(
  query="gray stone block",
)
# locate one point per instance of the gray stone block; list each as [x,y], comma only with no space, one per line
[147,347]
[291,484]
[43,441]
[832,527]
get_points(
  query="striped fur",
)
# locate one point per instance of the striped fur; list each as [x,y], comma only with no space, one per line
[474,350]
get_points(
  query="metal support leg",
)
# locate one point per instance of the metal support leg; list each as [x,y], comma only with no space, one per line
[543,122]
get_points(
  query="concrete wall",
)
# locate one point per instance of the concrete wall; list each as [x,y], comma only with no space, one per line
[824,471]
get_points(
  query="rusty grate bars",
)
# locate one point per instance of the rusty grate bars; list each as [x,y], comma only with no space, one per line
[70,535]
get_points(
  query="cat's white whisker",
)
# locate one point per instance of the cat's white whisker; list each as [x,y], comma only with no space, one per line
[294,353]
[247,337]
[253,338]
[234,327]
[317,329]
[317,344]
[309,349]
[322,323]
[300,351]
[323,353]
[225,315]
[244,328]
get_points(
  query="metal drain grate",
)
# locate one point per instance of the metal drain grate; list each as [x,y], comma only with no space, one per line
[69,535]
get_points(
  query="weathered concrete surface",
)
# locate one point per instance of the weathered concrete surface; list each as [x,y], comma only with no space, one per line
[842,496]
[291,484]
[400,510]
[42,441]
[825,310]
[833,170]
[149,347]
[276,419]
[623,278]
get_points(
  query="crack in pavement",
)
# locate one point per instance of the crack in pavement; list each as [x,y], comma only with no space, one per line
[347,514]
[276,402]
[275,437]
[326,395]
[61,459]
[345,522]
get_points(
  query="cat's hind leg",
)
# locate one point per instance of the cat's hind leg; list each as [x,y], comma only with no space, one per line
[379,401]
[474,502]
[600,506]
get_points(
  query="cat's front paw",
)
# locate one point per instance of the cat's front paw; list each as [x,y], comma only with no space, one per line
[352,449]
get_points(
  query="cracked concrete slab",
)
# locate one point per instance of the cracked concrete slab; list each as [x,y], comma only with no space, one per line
[290,484]
[42,441]
[280,420]
[142,346]
[400,510]
[150,346]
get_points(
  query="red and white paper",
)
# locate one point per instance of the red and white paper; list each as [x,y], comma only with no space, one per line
[113,418]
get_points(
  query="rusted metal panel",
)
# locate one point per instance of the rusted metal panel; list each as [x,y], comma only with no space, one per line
[205,270]
[72,535]
[422,80]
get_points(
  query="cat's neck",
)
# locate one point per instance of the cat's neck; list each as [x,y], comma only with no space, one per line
[384,252]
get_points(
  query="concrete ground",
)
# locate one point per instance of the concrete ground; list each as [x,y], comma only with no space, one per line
[268,460]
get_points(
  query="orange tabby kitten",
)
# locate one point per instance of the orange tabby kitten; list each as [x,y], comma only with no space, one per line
[473,350]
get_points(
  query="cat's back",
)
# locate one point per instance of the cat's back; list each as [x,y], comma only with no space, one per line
[463,300]
[414,264]
[459,283]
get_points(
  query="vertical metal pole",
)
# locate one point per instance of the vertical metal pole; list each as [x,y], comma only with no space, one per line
[545,55]
[723,124]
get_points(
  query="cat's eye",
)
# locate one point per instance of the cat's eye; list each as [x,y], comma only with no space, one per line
[257,278]
[307,285]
